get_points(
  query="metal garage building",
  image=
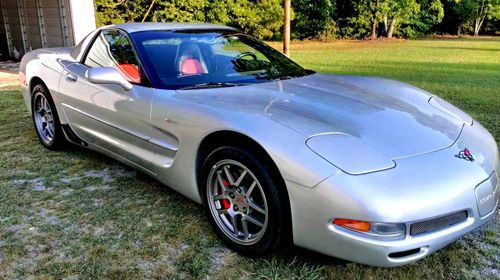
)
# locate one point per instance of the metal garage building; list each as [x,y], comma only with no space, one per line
[32,24]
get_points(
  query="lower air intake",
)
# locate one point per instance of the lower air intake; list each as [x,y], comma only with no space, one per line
[438,223]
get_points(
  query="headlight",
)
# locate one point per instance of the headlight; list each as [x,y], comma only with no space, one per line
[449,109]
[388,230]
[376,229]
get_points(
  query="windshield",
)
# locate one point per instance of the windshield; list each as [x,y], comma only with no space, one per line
[190,59]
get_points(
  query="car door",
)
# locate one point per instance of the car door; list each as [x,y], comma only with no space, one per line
[106,115]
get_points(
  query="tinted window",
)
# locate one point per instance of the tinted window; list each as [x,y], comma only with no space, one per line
[187,58]
[112,48]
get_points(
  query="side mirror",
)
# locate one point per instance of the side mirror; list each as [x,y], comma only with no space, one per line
[107,75]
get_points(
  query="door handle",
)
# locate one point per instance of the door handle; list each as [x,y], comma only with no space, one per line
[71,78]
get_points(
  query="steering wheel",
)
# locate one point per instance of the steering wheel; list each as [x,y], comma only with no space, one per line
[239,62]
[242,55]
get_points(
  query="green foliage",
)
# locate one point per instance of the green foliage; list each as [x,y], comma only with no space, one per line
[330,32]
[316,19]
[398,12]
[493,10]
[271,18]
[111,11]
[470,9]
[470,14]
[313,18]
[464,10]
[179,11]
[412,18]
[262,18]
[430,15]
[365,12]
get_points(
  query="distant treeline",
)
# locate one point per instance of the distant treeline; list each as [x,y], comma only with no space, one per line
[318,19]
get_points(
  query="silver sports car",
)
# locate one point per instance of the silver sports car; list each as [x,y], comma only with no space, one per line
[365,169]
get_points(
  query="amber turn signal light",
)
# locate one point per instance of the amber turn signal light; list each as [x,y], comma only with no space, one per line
[353,224]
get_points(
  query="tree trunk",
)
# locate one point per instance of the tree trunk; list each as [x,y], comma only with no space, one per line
[479,19]
[373,34]
[384,32]
[391,28]
[477,25]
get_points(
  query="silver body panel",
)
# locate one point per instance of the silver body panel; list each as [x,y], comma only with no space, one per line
[347,147]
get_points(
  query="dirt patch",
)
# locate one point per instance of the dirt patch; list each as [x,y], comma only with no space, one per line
[165,263]
[97,188]
[8,78]
[218,258]
[37,184]
[110,174]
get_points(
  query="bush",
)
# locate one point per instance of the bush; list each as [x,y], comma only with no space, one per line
[330,32]
[312,18]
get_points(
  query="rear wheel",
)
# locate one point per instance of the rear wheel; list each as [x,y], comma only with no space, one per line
[46,120]
[244,203]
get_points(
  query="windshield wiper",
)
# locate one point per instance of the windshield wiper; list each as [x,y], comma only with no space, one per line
[284,78]
[210,85]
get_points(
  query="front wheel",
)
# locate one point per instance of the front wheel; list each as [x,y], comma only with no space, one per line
[245,204]
[46,120]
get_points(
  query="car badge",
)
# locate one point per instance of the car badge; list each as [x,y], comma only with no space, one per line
[465,154]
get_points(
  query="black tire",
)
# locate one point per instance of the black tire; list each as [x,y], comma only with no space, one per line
[57,141]
[275,234]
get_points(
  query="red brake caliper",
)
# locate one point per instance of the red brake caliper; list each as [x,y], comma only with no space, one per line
[225,202]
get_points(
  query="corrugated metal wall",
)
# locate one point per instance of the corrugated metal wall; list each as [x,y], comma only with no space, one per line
[34,30]
[4,50]
[57,22]
[32,24]
[12,23]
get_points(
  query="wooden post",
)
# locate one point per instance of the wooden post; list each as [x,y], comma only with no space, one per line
[286,29]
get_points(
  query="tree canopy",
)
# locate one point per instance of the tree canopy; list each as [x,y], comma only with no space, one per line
[318,19]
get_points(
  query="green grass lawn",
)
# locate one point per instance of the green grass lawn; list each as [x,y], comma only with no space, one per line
[77,214]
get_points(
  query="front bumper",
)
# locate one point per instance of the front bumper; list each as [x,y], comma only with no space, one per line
[313,230]
[420,188]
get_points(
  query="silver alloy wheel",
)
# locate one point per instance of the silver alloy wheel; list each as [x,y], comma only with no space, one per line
[237,202]
[44,119]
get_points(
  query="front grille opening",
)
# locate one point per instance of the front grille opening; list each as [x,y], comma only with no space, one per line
[438,223]
[403,254]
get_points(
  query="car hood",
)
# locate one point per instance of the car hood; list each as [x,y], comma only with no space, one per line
[391,117]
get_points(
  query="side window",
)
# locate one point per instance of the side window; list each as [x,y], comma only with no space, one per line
[113,49]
